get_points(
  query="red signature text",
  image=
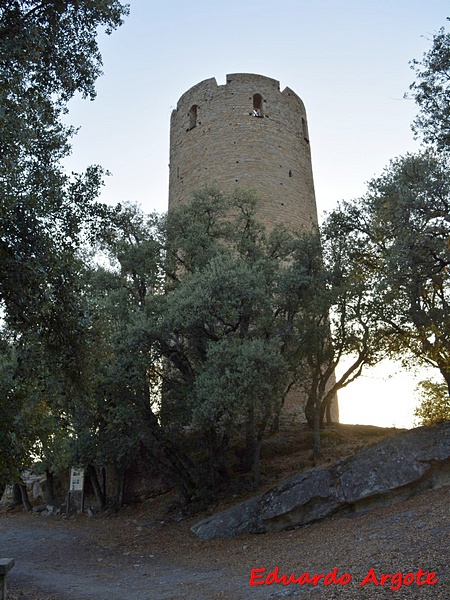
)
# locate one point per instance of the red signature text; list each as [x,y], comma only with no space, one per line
[258,577]
[392,580]
[397,580]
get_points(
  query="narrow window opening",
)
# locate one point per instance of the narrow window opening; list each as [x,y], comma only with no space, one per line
[257,105]
[193,116]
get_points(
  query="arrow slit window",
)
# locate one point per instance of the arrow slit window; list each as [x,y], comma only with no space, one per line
[257,105]
[193,116]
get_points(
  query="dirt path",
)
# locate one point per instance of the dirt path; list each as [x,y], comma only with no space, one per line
[137,557]
[65,563]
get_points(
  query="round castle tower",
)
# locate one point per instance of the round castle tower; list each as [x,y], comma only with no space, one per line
[245,133]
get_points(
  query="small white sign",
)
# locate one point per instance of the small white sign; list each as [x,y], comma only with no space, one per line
[76,479]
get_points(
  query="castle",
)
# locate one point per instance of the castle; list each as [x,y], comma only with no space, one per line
[246,133]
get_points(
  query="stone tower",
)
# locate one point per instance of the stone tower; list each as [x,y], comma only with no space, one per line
[245,133]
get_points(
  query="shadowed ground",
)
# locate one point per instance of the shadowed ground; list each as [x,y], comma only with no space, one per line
[142,554]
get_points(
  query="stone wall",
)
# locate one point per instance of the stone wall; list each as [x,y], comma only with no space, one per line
[216,140]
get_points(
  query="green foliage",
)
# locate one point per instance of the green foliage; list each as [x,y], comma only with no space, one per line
[197,232]
[33,426]
[435,404]
[48,52]
[51,46]
[209,321]
[431,91]
[197,326]
[233,291]
[239,377]
[403,228]
[109,413]
[340,316]
[9,401]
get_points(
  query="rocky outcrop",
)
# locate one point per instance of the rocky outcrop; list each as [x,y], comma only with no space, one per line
[387,472]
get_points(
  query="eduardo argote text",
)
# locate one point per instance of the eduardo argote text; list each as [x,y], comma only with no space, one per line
[392,580]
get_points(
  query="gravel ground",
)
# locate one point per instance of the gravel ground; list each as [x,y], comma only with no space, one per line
[138,557]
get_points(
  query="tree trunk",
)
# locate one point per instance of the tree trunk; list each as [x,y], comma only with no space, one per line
[218,471]
[250,441]
[103,473]
[256,467]
[328,411]
[92,473]
[24,495]
[17,495]
[49,487]
[120,487]
[310,411]
[325,409]
[275,427]
[180,466]
[317,446]
[446,375]
[253,448]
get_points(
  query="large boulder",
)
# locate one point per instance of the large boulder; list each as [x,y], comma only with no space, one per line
[395,468]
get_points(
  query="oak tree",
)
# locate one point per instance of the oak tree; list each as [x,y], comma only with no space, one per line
[431,92]
[48,52]
[404,225]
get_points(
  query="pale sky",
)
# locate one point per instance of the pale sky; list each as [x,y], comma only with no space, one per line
[347,59]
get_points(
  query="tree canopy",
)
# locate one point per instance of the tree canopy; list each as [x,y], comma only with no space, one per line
[48,52]
[403,226]
[434,406]
[208,322]
[431,91]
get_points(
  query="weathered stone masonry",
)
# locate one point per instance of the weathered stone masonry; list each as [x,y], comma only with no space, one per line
[245,133]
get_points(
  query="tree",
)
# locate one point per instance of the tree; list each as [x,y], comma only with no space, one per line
[340,316]
[198,328]
[213,322]
[9,399]
[205,342]
[435,404]
[241,385]
[120,423]
[48,52]
[431,91]
[33,428]
[225,367]
[404,225]
[228,298]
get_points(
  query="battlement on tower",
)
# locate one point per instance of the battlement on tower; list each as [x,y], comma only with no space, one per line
[209,87]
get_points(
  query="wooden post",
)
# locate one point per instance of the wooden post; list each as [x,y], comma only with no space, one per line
[6,564]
